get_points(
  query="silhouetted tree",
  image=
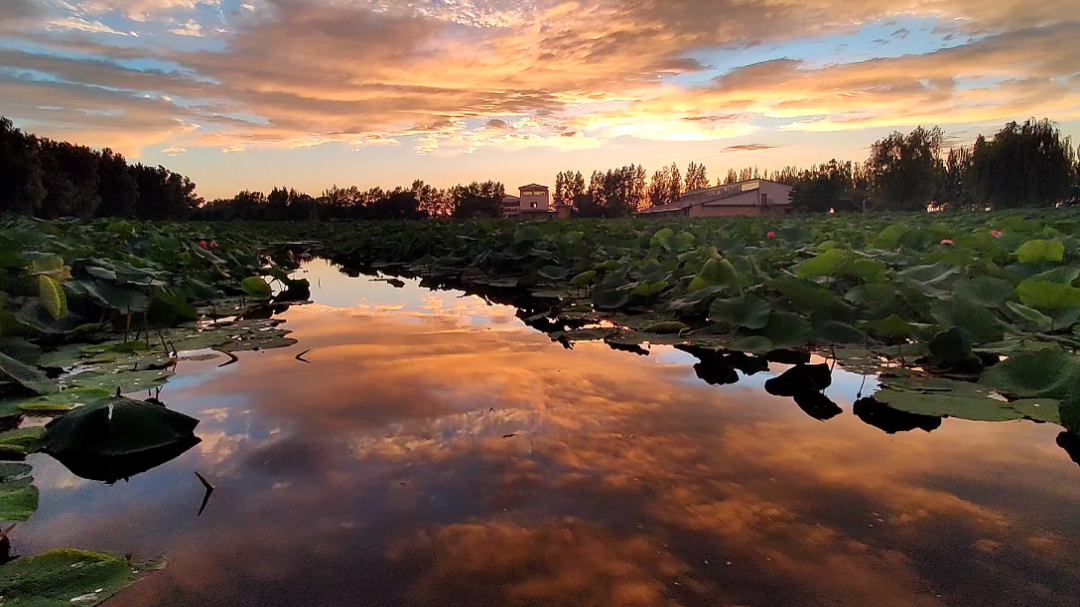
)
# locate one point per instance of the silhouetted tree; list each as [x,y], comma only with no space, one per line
[1027,164]
[116,186]
[70,180]
[904,169]
[21,187]
[697,177]
[163,194]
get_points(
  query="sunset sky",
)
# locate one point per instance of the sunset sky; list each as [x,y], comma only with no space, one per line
[248,94]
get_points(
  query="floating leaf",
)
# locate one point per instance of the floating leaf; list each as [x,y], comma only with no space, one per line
[63,578]
[892,326]
[942,397]
[1040,251]
[754,344]
[745,311]
[18,500]
[28,438]
[665,327]
[26,376]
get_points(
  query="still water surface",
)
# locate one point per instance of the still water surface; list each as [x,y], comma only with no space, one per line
[438,452]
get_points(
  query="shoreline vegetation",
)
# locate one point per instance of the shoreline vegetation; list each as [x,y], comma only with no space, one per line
[968,315]
[1022,165]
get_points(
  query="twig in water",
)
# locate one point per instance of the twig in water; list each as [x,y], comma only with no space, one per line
[232,358]
[300,356]
[209,490]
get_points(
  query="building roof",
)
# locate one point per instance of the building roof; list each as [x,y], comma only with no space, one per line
[509,198]
[533,185]
[715,196]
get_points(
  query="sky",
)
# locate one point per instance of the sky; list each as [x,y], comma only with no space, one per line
[249,94]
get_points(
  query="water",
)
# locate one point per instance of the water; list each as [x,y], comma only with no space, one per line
[436,451]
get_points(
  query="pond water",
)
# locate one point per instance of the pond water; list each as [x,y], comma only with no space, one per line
[437,451]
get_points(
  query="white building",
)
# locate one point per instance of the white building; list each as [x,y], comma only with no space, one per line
[533,202]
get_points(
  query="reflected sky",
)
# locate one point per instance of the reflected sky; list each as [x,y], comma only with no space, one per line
[436,451]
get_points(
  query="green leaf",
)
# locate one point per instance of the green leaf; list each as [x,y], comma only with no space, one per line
[528,234]
[755,344]
[52,296]
[1040,251]
[981,324]
[892,327]
[836,332]
[1063,274]
[986,291]
[553,272]
[1043,374]
[787,330]
[583,279]
[610,299]
[942,397]
[889,238]
[64,578]
[122,299]
[665,327]
[116,427]
[649,289]
[824,264]
[256,287]
[808,296]
[951,347]
[1041,321]
[713,273]
[18,500]
[1048,295]
[28,438]
[746,311]
[26,376]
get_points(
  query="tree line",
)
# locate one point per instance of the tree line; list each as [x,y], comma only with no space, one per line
[50,179]
[1026,164]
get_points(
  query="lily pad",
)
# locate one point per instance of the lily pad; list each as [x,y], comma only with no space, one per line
[944,398]
[29,439]
[746,311]
[18,500]
[26,376]
[106,435]
[64,578]
[126,381]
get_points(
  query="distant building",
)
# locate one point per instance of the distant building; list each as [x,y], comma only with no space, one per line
[511,206]
[753,197]
[533,202]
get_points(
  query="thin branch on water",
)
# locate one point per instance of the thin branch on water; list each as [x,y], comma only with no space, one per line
[209,490]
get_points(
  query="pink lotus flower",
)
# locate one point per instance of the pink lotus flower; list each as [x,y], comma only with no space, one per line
[771,235]
[947,241]
[995,233]
[202,243]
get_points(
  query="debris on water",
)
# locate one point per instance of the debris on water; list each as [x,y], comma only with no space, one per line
[300,356]
[511,435]
[209,490]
